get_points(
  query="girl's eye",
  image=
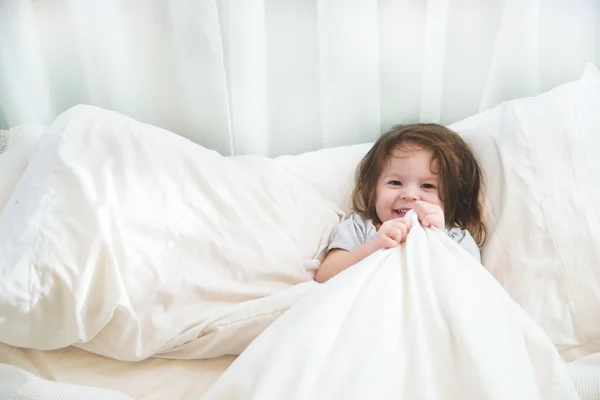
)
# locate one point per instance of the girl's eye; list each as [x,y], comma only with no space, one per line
[428,186]
[396,183]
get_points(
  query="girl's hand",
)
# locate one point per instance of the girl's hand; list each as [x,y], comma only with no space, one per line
[430,215]
[391,233]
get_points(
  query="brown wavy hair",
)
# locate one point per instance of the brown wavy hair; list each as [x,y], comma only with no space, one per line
[460,176]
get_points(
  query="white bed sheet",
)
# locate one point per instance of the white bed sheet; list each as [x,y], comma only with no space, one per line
[585,373]
[151,379]
[156,378]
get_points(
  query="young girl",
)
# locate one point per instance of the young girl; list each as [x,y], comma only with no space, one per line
[423,167]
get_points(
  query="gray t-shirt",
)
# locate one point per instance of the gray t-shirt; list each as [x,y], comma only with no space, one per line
[355,231]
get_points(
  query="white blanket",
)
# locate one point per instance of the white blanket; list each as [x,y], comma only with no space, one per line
[420,321]
[129,241]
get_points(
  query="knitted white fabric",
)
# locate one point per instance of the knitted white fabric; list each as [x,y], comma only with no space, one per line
[17,384]
[586,378]
[3,141]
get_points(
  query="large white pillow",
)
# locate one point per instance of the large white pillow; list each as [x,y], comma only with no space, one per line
[542,165]
[130,241]
[21,141]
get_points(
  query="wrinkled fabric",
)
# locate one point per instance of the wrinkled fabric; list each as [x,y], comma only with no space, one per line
[419,321]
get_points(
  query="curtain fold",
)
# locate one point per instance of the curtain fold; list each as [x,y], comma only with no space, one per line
[286,76]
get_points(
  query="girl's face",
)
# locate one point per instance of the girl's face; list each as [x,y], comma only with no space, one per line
[407,178]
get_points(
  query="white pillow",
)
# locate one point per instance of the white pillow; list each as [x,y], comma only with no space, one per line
[21,141]
[330,171]
[540,156]
[129,241]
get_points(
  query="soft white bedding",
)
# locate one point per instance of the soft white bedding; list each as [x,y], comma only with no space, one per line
[130,241]
[540,157]
[151,379]
[156,379]
[585,374]
[419,321]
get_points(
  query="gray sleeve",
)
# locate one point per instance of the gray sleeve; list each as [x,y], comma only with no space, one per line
[466,241]
[350,234]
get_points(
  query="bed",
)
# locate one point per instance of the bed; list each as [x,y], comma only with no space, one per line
[89,294]
[150,379]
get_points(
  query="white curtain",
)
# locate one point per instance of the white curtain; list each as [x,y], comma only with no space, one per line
[286,76]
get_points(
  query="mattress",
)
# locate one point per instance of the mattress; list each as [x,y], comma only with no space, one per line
[151,379]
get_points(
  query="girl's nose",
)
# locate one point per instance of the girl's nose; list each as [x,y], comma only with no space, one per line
[409,194]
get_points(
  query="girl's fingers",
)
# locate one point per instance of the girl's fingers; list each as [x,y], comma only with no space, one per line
[398,234]
[397,223]
[389,243]
[404,233]
[433,220]
[421,207]
[426,222]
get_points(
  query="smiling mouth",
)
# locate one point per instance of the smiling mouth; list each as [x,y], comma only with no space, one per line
[402,211]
